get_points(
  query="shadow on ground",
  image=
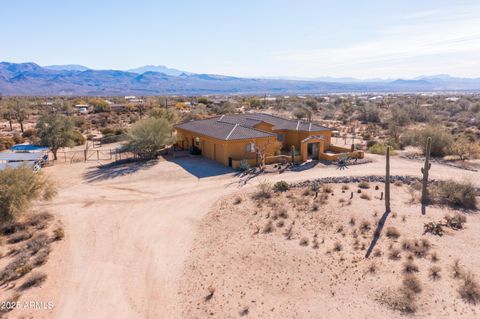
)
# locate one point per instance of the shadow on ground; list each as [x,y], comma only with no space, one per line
[377,233]
[201,167]
[117,169]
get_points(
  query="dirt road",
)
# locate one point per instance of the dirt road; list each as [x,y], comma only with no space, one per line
[128,231]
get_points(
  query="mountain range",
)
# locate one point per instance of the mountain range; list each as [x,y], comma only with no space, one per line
[32,79]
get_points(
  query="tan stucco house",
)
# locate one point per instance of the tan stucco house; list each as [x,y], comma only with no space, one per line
[229,139]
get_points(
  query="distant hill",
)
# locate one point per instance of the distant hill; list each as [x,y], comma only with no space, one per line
[32,79]
[67,67]
[157,68]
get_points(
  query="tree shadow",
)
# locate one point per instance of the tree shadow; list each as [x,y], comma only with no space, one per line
[377,233]
[304,166]
[117,169]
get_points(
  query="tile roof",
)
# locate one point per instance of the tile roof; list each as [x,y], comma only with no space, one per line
[241,126]
[216,128]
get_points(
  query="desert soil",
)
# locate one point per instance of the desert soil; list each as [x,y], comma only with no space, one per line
[134,235]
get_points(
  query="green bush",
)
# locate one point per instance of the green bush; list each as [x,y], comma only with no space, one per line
[78,138]
[455,194]
[441,140]
[281,186]
[6,143]
[381,149]
[19,187]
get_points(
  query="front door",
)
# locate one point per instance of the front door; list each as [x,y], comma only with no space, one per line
[315,151]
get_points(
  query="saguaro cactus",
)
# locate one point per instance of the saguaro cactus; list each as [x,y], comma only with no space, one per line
[426,167]
[387,181]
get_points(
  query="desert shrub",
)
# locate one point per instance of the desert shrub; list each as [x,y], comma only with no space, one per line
[433,228]
[244,166]
[34,280]
[441,140]
[281,186]
[454,194]
[434,257]
[29,133]
[6,143]
[364,185]
[264,190]
[19,187]
[470,289]
[392,233]
[381,149]
[456,221]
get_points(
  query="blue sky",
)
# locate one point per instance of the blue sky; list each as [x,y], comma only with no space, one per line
[303,38]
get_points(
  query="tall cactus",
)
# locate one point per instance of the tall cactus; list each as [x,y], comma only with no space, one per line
[426,167]
[387,181]
[292,153]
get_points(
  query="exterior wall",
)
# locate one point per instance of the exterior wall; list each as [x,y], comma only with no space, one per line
[221,151]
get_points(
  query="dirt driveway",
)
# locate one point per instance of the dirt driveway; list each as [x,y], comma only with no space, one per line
[129,230]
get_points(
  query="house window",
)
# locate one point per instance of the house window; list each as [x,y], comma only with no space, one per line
[197,141]
[251,147]
[281,137]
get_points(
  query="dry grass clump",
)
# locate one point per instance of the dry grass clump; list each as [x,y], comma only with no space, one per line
[405,299]
[365,226]
[337,246]
[457,270]
[434,272]
[419,248]
[58,234]
[365,196]
[470,289]
[304,241]
[454,194]
[372,268]
[364,185]
[394,254]
[283,213]
[392,233]
[352,221]
[409,267]
[345,187]
[412,283]
[34,280]
[398,183]
[268,228]
[434,257]
[264,190]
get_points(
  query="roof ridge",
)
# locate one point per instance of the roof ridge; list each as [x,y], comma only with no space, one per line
[233,129]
